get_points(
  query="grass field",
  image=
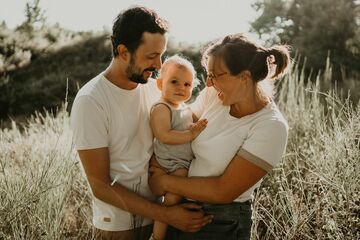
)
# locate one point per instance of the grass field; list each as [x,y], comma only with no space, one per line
[313,194]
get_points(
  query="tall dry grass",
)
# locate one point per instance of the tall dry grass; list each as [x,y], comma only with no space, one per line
[312,194]
[315,192]
[42,192]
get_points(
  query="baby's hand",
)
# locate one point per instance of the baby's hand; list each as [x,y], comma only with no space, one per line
[198,127]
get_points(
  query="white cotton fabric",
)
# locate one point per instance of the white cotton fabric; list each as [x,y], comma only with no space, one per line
[259,138]
[104,115]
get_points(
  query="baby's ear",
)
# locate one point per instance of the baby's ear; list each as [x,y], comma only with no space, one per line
[159,83]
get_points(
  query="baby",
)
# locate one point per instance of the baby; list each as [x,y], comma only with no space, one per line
[174,125]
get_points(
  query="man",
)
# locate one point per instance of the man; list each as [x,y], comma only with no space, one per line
[110,122]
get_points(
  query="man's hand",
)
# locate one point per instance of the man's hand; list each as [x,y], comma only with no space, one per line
[197,127]
[187,217]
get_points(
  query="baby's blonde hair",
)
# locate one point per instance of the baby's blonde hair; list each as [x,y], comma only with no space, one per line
[180,61]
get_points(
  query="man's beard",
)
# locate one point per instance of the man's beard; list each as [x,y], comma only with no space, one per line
[133,72]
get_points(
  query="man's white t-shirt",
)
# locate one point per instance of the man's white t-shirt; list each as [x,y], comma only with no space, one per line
[104,115]
[259,138]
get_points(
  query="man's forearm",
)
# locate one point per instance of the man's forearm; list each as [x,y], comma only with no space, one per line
[187,217]
[129,201]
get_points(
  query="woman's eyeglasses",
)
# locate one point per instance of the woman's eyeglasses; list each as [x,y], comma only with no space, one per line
[212,76]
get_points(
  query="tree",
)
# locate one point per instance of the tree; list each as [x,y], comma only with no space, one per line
[315,28]
[33,15]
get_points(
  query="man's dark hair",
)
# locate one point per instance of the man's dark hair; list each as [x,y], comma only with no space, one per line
[130,25]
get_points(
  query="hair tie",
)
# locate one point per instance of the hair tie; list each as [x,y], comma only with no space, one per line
[271,64]
[270,59]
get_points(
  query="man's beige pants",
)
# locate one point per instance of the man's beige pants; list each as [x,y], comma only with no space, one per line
[141,233]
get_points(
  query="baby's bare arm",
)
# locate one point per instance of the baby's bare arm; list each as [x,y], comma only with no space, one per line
[160,120]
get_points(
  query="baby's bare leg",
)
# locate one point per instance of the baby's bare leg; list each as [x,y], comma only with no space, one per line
[170,199]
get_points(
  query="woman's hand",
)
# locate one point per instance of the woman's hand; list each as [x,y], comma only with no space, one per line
[156,177]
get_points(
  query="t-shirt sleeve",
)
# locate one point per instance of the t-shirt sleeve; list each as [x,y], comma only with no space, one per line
[89,124]
[265,144]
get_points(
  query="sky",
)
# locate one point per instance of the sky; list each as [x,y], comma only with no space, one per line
[191,21]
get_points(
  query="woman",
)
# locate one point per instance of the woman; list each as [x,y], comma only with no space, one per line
[245,137]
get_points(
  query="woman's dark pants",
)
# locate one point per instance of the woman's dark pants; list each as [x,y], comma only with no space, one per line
[231,221]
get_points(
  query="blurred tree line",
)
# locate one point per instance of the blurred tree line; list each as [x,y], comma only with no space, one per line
[40,64]
[316,29]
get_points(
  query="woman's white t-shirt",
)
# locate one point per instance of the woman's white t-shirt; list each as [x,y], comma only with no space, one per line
[259,138]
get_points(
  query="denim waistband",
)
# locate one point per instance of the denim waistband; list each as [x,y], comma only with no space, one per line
[229,208]
[246,203]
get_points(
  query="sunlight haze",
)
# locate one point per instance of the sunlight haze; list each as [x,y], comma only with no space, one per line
[190,21]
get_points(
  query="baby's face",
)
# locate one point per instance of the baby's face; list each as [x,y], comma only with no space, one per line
[177,84]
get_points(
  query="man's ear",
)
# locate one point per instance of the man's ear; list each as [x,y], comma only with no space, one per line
[123,52]
[159,83]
